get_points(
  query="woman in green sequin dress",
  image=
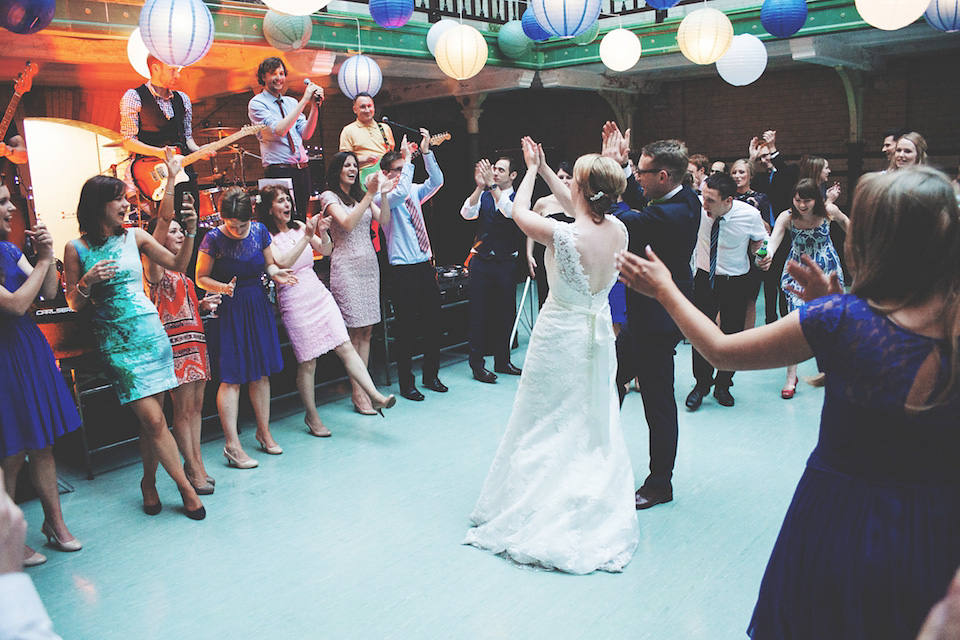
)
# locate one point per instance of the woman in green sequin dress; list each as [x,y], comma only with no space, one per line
[103,267]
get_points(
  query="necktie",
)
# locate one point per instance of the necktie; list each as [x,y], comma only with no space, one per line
[290,142]
[714,238]
[416,217]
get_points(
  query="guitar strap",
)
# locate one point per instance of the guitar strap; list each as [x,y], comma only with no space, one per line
[383,134]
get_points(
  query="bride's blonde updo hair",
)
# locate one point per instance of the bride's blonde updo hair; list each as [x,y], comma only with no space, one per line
[601,182]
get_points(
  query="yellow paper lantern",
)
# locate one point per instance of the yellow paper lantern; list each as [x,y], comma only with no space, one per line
[620,49]
[461,52]
[891,15]
[705,35]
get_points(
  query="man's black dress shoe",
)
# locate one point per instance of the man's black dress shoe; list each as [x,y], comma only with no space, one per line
[722,394]
[646,498]
[411,394]
[695,398]
[483,375]
[509,369]
[435,385]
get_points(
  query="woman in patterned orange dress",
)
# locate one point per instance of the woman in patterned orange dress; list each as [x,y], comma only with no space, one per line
[176,299]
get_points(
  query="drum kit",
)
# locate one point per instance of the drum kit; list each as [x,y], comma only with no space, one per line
[211,185]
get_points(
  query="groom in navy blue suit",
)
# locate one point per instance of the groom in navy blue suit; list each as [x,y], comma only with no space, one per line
[667,217]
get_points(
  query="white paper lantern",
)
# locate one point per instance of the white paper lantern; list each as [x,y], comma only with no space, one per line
[744,62]
[944,15]
[137,54]
[178,32]
[566,18]
[620,49]
[286,32]
[359,74]
[705,35]
[296,7]
[891,15]
[436,31]
[461,52]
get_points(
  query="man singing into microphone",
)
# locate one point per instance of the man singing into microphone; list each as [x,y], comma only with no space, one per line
[281,142]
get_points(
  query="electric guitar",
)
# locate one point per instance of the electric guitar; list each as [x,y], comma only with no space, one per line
[150,174]
[21,85]
[438,139]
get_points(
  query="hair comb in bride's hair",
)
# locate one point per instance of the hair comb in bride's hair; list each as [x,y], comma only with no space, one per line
[597,196]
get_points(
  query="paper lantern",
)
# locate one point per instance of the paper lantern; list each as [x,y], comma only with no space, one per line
[359,74]
[137,54]
[662,4]
[944,15]
[705,35]
[286,32]
[532,28]
[620,49]
[296,7]
[744,62]
[783,18]
[891,15]
[565,18]
[589,35]
[513,42]
[436,31]
[178,32]
[461,52]
[391,14]
[26,16]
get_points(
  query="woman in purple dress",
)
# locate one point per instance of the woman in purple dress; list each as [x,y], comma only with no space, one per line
[310,314]
[872,537]
[37,407]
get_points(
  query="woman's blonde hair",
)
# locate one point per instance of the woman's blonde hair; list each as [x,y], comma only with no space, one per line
[743,162]
[601,182]
[903,246]
[919,142]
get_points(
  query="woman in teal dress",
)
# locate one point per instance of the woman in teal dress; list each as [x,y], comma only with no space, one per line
[103,268]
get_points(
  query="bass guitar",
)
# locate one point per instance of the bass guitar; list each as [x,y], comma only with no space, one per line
[150,174]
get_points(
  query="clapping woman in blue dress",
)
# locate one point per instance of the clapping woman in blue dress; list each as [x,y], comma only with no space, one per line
[872,537]
[103,268]
[36,407]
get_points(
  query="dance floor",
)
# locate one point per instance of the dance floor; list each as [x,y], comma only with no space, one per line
[358,535]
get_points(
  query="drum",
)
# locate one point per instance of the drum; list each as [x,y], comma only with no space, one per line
[208,209]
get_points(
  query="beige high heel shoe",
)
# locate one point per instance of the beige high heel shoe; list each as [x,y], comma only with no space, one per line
[54,540]
[36,559]
[275,450]
[388,402]
[249,463]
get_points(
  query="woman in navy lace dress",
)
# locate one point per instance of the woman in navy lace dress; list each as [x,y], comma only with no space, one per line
[872,536]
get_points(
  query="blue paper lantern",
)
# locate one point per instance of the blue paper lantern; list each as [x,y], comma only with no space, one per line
[783,18]
[359,74]
[944,15]
[532,28]
[513,42]
[662,4]
[566,18]
[26,16]
[178,32]
[391,14]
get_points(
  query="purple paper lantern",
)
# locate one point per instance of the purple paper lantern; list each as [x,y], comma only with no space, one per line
[391,14]
[662,4]
[783,18]
[532,28]
[26,16]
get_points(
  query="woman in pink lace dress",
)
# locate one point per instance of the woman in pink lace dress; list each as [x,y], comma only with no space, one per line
[354,270]
[310,314]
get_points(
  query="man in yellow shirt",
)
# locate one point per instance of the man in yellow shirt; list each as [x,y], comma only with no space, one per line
[364,137]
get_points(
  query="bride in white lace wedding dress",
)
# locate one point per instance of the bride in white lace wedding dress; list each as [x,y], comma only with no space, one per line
[559,493]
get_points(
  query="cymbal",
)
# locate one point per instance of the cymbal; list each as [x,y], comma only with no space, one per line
[223,131]
[116,144]
[210,178]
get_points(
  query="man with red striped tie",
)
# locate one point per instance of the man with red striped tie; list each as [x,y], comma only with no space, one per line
[414,289]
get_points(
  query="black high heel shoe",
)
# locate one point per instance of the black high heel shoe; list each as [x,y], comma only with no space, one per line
[151,509]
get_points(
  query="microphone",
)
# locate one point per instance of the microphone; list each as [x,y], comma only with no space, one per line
[397,124]
[308,82]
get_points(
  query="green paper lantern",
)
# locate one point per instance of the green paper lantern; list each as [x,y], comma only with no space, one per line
[589,35]
[513,42]
[286,32]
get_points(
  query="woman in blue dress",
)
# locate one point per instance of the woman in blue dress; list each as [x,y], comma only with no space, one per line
[36,407]
[103,268]
[243,340]
[808,223]
[872,537]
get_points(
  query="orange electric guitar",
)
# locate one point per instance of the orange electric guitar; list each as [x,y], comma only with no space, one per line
[150,174]
[21,85]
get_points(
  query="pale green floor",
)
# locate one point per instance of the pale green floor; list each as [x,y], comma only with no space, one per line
[358,535]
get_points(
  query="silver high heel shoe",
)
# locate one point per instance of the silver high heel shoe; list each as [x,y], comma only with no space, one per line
[54,541]
[249,463]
